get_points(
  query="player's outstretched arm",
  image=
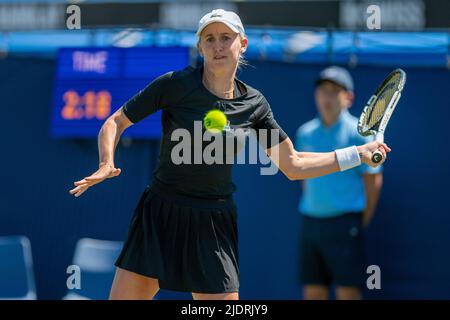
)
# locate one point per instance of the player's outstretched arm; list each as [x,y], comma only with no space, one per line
[305,165]
[108,138]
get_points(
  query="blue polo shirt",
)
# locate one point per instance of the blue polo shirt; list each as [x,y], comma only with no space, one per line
[340,192]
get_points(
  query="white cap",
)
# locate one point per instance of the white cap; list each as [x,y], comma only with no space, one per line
[228,18]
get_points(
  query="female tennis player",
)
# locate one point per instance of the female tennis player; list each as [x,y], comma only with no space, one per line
[183,234]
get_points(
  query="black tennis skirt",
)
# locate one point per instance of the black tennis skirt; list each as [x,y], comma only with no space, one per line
[188,244]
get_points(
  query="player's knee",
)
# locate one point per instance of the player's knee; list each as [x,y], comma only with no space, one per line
[131,286]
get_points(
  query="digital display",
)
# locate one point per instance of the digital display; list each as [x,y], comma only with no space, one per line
[92,83]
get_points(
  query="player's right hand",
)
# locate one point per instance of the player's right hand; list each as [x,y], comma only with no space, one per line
[105,171]
[366,151]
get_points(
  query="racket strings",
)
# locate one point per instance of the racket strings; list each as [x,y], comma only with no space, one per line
[380,104]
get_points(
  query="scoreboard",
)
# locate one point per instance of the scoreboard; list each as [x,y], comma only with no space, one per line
[92,83]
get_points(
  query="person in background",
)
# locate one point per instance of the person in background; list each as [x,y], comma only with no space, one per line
[335,208]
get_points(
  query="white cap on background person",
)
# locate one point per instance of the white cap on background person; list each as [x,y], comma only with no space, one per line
[229,18]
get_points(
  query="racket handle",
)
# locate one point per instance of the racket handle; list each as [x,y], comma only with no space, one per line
[377,157]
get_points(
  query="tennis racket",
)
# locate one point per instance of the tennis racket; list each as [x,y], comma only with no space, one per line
[378,110]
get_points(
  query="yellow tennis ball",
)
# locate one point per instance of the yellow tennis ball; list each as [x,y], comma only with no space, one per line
[215,121]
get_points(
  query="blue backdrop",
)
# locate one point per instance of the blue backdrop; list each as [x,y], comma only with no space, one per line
[409,237]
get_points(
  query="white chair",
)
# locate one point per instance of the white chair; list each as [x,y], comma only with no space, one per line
[16,269]
[95,258]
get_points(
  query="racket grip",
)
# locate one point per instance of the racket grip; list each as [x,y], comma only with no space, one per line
[377,157]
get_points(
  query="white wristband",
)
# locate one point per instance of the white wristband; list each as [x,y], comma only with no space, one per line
[348,158]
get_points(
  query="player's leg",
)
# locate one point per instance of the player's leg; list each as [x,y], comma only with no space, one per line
[348,293]
[216,296]
[315,292]
[128,285]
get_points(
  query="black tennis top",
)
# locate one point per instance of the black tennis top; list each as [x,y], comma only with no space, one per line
[184,100]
